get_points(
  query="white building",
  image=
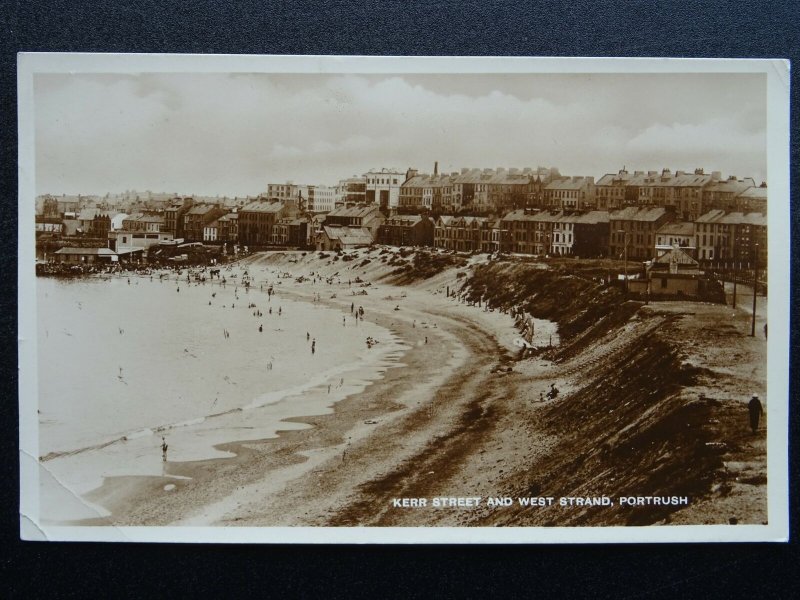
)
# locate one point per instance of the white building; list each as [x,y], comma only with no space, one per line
[321,198]
[383,187]
[128,241]
[211,231]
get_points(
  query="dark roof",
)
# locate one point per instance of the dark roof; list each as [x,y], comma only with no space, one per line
[264,206]
[677,228]
[633,213]
[353,211]
[403,220]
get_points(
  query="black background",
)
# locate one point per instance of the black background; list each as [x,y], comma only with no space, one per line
[635,28]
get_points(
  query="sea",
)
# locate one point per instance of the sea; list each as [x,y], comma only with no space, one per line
[123,361]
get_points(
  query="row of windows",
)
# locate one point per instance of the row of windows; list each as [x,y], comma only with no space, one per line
[568,194]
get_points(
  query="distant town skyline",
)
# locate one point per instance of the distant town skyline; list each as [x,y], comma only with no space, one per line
[232,134]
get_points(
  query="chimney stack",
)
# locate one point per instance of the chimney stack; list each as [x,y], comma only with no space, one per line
[436,168]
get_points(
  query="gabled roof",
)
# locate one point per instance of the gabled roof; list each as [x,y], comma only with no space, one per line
[759,193]
[689,180]
[262,206]
[353,211]
[633,213]
[733,218]
[349,235]
[88,214]
[593,217]
[677,228]
[539,217]
[567,183]
[675,256]
[404,220]
[200,209]
[730,185]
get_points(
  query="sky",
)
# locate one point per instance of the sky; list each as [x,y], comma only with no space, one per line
[232,134]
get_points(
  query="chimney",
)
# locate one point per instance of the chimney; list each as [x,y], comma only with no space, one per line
[527,170]
[652,173]
[464,170]
[487,171]
[698,171]
[500,170]
[716,175]
[732,178]
[638,172]
[435,168]
[513,171]
[679,173]
[763,184]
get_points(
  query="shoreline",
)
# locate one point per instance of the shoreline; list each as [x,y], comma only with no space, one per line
[444,421]
[219,486]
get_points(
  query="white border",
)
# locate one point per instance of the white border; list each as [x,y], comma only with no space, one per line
[777,73]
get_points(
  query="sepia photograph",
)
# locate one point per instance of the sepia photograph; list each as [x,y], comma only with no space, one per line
[338,299]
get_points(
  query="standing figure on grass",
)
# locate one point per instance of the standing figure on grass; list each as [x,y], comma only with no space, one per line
[756,410]
[164,448]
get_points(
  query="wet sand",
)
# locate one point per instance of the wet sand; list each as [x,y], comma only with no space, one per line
[296,478]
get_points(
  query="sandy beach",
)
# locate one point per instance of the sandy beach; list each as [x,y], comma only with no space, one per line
[455,414]
[419,399]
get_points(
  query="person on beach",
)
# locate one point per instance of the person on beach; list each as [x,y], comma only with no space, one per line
[756,410]
[765,331]
[352,307]
[313,345]
[260,328]
[308,336]
[164,448]
[344,322]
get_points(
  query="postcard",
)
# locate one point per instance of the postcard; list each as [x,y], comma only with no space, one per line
[334,299]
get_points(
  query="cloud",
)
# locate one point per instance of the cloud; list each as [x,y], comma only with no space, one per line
[233,134]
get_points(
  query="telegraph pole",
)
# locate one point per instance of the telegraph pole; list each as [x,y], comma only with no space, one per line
[625,256]
[755,291]
[735,274]
[625,250]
